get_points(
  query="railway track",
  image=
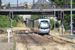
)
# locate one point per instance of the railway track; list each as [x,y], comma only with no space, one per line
[36,41]
[57,40]
[24,40]
[35,38]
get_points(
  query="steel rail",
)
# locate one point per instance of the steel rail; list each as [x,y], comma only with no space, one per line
[24,40]
[36,42]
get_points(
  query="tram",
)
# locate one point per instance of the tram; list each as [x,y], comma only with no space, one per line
[43,26]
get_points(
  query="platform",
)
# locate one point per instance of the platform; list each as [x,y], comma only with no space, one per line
[69,36]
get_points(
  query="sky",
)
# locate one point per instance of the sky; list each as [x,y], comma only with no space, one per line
[15,1]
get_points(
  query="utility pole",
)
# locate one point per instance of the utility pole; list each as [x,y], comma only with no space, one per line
[62,18]
[62,28]
[11,17]
[0,3]
[11,27]
[54,18]
[34,4]
[65,3]
[41,1]
[71,17]
[17,4]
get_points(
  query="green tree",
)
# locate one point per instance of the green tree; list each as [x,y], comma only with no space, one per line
[34,17]
[52,24]
[8,6]
[67,20]
[63,3]
[26,6]
[6,23]
[45,6]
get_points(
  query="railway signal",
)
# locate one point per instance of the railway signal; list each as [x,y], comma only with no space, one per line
[62,15]
[11,15]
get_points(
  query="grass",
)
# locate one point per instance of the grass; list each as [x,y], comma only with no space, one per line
[8,49]
[3,40]
[14,47]
[67,32]
[56,29]
[3,28]
[21,24]
[18,25]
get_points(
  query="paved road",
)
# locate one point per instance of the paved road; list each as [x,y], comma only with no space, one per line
[69,36]
[5,46]
[1,38]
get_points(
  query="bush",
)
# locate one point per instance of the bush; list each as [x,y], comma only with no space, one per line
[6,23]
[52,24]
